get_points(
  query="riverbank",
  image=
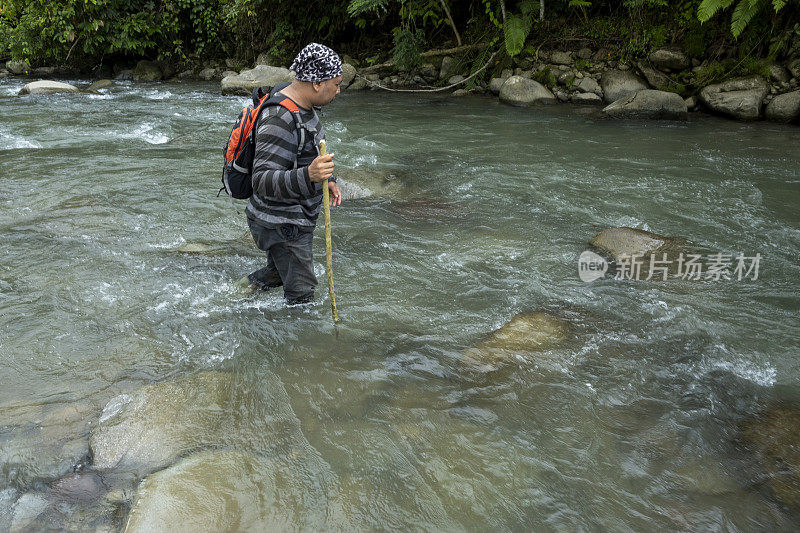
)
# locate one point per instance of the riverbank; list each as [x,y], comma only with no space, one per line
[676,84]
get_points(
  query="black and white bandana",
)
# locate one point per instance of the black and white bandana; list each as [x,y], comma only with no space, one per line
[315,63]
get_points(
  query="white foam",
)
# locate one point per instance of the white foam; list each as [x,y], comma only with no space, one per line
[9,141]
[144,132]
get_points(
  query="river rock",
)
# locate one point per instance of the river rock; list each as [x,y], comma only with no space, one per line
[670,59]
[584,53]
[124,75]
[453,80]
[99,84]
[620,242]
[362,182]
[561,58]
[26,510]
[655,78]
[649,104]
[247,80]
[588,85]
[149,428]
[740,98]
[772,438]
[209,74]
[82,486]
[147,71]
[3,73]
[48,87]
[43,72]
[496,84]
[447,68]
[586,99]
[616,84]
[525,334]
[18,67]
[784,107]
[521,91]
[691,103]
[779,74]
[348,74]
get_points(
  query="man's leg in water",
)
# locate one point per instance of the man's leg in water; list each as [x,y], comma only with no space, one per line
[290,261]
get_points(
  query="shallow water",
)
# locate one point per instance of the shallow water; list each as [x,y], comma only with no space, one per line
[632,424]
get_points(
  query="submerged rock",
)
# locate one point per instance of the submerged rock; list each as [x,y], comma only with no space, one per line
[773,439]
[739,98]
[82,486]
[525,334]
[27,509]
[247,80]
[99,84]
[521,91]
[648,104]
[363,182]
[149,428]
[48,87]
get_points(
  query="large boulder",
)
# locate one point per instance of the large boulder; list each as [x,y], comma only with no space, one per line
[48,87]
[740,98]
[619,83]
[447,68]
[348,74]
[149,428]
[772,438]
[18,67]
[99,84]
[784,107]
[587,85]
[523,335]
[670,59]
[147,71]
[621,245]
[649,104]
[247,80]
[521,91]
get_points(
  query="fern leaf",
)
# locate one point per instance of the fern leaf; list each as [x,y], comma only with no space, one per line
[515,30]
[707,8]
[743,14]
[357,7]
[778,4]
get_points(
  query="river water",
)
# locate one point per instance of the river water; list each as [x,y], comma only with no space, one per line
[632,423]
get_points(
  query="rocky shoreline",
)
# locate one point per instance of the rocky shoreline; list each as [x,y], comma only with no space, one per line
[619,89]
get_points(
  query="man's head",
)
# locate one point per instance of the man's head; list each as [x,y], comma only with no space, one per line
[318,71]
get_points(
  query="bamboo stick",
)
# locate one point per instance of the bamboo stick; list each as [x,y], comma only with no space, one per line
[323,150]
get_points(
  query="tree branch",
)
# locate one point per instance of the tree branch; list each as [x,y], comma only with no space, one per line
[450,18]
[429,53]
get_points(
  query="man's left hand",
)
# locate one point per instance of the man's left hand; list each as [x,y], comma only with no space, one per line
[335,194]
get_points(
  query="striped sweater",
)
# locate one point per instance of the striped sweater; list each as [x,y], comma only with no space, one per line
[283,194]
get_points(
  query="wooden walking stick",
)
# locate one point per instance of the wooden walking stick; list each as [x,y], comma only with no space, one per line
[323,150]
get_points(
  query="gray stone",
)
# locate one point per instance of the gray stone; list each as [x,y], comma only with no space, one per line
[565,78]
[44,72]
[18,67]
[262,75]
[656,78]
[209,74]
[670,59]
[151,427]
[495,84]
[358,85]
[584,53]
[7,499]
[507,73]
[147,71]
[348,74]
[616,84]
[27,509]
[784,107]
[3,73]
[794,68]
[99,84]
[186,75]
[586,99]
[48,87]
[460,92]
[587,85]
[452,80]
[779,74]
[560,58]
[362,182]
[83,486]
[447,68]
[263,59]
[740,98]
[648,104]
[228,73]
[691,103]
[562,95]
[524,92]
[429,72]
[124,75]
[620,242]
[601,55]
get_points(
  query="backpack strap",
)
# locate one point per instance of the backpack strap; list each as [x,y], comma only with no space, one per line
[277,99]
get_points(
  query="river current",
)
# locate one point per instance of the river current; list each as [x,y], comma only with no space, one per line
[632,424]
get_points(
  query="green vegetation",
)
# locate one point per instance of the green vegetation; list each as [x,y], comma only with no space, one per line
[84,33]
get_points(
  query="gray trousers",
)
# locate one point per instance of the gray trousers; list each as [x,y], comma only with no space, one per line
[290,261]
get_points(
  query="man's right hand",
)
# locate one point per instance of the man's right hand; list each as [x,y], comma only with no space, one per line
[321,168]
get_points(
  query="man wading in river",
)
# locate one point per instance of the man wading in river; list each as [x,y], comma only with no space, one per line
[287,193]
